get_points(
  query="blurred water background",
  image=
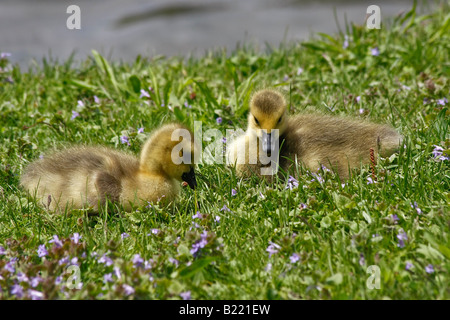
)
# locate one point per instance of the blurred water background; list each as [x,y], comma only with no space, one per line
[120,30]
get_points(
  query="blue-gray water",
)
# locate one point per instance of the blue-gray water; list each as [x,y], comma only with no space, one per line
[31,29]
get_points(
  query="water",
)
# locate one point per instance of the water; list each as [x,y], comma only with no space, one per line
[31,29]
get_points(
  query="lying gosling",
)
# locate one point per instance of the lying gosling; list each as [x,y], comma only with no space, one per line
[338,143]
[86,177]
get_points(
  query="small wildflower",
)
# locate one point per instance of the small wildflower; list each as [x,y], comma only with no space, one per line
[224,140]
[74,261]
[80,103]
[261,195]
[173,261]
[35,281]
[35,295]
[409,266]
[370,180]
[56,242]
[96,100]
[225,208]
[286,77]
[140,130]
[438,153]
[197,215]
[117,273]
[272,248]
[394,218]
[217,219]
[318,177]
[299,71]
[2,251]
[186,295]
[294,258]
[63,260]
[361,111]
[442,101]
[124,235]
[22,277]
[233,192]
[402,237]
[17,290]
[129,290]
[219,120]
[429,268]
[105,260]
[58,280]
[303,206]
[415,206]
[155,231]
[137,260]
[345,45]
[292,183]
[125,139]
[4,55]
[144,94]
[74,115]
[406,87]
[76,237]
[375,51]
[268,267]
[42,251]
[358,100]
[362,260]
[107,278]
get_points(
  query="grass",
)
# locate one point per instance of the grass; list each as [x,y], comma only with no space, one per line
[323,236]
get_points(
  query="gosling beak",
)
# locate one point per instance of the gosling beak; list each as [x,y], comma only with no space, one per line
[189,177]
[267,146]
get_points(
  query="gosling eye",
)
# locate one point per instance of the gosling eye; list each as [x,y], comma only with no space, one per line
[256,120]
[279,120]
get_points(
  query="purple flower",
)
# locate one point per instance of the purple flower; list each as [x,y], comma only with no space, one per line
[402,237]
[173,261]
[96,100]
[10,267]
[415,206]
[219,120]
[74,261]
[107,278]
[35,281]
[80,103]
[370,180]
[233,192]
[299,71]
[438,153]
[56,242]
[155,231]
[272,248]
[35,295]
[394,218]
[137,260]
[361,110]
[268,267]
[225,208]
[292,183]
[74,115]
[2,251]
[125,139]
[318,177]
[116,272]
[429,268]
[409,266]
[22,277]
[186,295]
[217,219]
[4,55]
[187,105]
[105,260]
[375,51]
[64,260]
[294,258]
[129,290]
[140,130]
[303,206]
[76,237]
[442,101]
[362,260]
[197,215]
[42,251]
[144,94]
[345,45]
[17,290]
[124,235]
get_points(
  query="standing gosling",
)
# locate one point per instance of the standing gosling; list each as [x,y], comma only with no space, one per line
[338,143]
[81,177]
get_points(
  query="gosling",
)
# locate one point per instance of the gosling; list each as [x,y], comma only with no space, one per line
[88,176]
[338,143]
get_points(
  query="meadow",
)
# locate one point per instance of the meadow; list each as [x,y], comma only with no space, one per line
[379,235]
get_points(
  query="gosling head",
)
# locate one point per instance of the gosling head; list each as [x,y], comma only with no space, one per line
[170,151]
[267,113]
